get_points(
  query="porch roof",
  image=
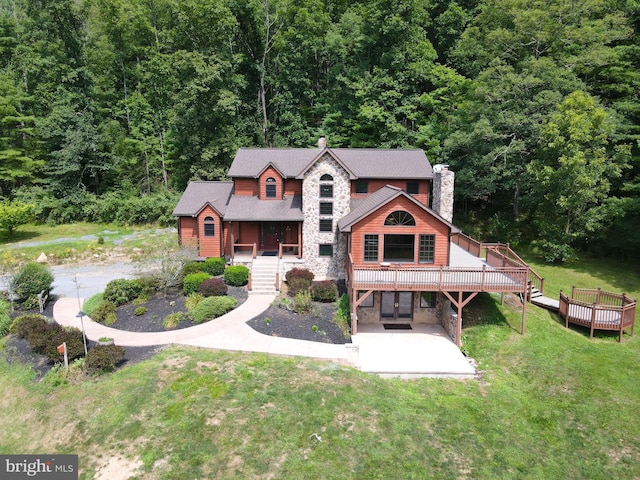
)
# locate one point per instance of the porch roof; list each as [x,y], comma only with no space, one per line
[248,208]
[199,194]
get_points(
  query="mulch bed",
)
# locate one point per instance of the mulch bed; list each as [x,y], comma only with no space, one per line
[158,307]
[317,326]
[277,320]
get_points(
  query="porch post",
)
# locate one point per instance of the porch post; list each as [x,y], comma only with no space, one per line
[459,324]
[354,317]
[299,240]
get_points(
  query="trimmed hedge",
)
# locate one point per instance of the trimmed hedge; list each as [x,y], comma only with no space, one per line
[212,307]
[236,275]
[103,358]
[191,282]
[324,291]
[213,287]
[214,266]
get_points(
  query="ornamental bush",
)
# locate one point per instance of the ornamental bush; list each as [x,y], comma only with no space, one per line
[214,266]
[298,280]
[213,287]
[236,275]
[121,291]
[31,279]
[302,302]
[105,313]
[324,291]
[192,267]
[45,337]
[191,282]
[103,358]
[212,307]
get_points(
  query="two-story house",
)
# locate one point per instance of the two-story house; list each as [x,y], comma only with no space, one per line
[362,216]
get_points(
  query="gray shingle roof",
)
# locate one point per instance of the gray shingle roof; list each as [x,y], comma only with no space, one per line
[361,162]
[360,208]
[248,208]
[198,194]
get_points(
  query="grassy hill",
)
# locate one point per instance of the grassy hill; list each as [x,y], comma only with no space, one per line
[549,404]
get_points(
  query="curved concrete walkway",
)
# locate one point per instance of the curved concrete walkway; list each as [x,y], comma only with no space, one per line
[228,332]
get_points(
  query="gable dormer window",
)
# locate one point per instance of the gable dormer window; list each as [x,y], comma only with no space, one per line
[270,188]
[400,218]
[209,227]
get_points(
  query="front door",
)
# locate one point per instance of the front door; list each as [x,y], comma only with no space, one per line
[271,235]
[396,306]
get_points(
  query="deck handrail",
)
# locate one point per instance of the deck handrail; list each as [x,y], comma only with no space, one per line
[536,279]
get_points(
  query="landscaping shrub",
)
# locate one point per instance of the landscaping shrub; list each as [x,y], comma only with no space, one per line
[212,307]
[31,279]
[302,302]
[298,280]
[105,313]
[140,311]
[214,266]
[213,287]
[56,335]
[192,301]
[173,319]
[5,318]
[121,291]
[25,324]
[324,291]
[192,267]
[103,358]
[149,284]
[236,275]
[192,282]
[44,337]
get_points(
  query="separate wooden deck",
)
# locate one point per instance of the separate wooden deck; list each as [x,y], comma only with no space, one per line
[598,310]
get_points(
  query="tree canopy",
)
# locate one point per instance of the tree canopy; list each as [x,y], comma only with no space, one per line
[533,104]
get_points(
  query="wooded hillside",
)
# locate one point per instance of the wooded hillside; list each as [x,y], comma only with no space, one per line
[533,104]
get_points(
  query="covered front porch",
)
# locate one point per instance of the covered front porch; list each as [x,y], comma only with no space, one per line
[251,239]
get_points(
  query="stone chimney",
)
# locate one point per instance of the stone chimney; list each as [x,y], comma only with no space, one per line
[442,202]
[322,142]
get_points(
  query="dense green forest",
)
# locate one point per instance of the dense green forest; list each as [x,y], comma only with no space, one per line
[109,107]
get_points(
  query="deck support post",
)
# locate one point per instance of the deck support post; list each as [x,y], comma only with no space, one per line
[459,304]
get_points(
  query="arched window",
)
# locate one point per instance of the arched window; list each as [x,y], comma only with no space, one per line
[270,189]
[400,218]
[209,227]
[326,186]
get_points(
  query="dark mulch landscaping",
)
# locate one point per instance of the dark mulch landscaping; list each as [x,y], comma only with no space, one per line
[158,307]
[317,326]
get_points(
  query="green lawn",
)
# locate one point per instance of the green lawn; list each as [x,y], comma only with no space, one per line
[549,404]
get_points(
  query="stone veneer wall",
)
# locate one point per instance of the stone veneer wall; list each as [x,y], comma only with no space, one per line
[324,267]
[443,182]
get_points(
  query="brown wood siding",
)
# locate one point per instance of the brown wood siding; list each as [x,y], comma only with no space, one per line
[245,186]
[249,233]
[210,246]
[292,186]
[426,224]
[377,184]
[270,172]
[188,228]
